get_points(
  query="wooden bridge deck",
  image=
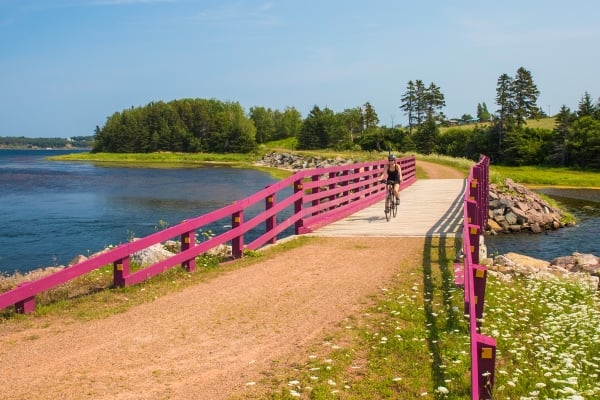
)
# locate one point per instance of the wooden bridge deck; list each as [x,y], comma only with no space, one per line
[428,208]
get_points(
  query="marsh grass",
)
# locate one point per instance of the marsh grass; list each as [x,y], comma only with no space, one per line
[163,159]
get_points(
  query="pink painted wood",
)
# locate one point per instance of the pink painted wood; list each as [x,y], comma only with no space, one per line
[320,196]
[483,348]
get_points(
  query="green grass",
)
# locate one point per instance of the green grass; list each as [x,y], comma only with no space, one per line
[543,123]
[543,176]
[159,159]
[460,164]
[548,339]
[414,343]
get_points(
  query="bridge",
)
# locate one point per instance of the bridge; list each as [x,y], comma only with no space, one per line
[335,201]
[428,208]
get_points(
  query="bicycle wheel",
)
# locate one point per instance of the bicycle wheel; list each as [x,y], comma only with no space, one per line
[388,206]
[394,207]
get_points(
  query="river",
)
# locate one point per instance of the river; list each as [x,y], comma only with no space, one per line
[584,237]
[51,211]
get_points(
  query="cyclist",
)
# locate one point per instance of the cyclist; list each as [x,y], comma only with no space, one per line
[394,173]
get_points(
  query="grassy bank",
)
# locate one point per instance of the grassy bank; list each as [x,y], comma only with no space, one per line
[159,159]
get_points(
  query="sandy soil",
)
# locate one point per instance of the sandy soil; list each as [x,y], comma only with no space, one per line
[208,341]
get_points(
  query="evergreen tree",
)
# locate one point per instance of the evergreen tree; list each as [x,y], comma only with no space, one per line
[586,106]
[482,112]
[525,94]
[370,117]
[434,101]
[408,105]
[426,137]
[562,131]
[420,103]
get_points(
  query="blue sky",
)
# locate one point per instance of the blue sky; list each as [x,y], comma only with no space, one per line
[67,65]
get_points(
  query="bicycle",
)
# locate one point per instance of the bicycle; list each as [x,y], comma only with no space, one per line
[391,206]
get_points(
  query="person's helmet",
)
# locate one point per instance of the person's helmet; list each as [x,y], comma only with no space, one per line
[391,157]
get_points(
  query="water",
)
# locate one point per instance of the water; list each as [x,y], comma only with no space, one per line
[52,211]
[583,238]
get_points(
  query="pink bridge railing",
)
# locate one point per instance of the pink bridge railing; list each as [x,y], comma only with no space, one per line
[472,277]
[319,197]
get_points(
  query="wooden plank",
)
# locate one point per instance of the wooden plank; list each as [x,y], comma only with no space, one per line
[428,208]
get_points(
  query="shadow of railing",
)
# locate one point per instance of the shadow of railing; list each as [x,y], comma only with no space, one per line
[468,274]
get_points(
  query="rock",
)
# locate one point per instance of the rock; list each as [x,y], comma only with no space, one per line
[515,205]
[294,162]
[535,228]
[511,218]
[584,269]
[493,226]
[151,255]
[78,259]
[586,259]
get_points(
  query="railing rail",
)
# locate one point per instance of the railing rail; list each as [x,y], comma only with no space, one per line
[318,197]
[473,277]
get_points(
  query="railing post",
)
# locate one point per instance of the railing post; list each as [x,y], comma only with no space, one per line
[298,205]
[121,269]
[271,221]
[479,279]
[473,235]
[345,193]
[237,243]
[356,180]
[486,366]
[27,305]
[315,189]
[188,240]
[331,187]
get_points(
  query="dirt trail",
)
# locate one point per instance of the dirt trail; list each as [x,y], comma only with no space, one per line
[208,341]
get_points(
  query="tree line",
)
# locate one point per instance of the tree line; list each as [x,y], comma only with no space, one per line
[210,125]
[22,142]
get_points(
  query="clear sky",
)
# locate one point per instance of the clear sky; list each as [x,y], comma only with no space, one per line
[67,65]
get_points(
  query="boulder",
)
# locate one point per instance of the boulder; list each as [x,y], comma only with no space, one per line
[516,209]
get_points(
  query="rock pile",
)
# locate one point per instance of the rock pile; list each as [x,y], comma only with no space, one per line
[296,162]
[516,209]
[578,267]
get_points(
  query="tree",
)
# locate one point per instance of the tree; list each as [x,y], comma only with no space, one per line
[434,101]
[321,129]
[353,121]
[264,123]
[525,94]
[420,103]
[287,123]
[370,117]
[586,106]
[482,112]
[585,143]
[426,136]
[562,131]
[408,105]
[505,98]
